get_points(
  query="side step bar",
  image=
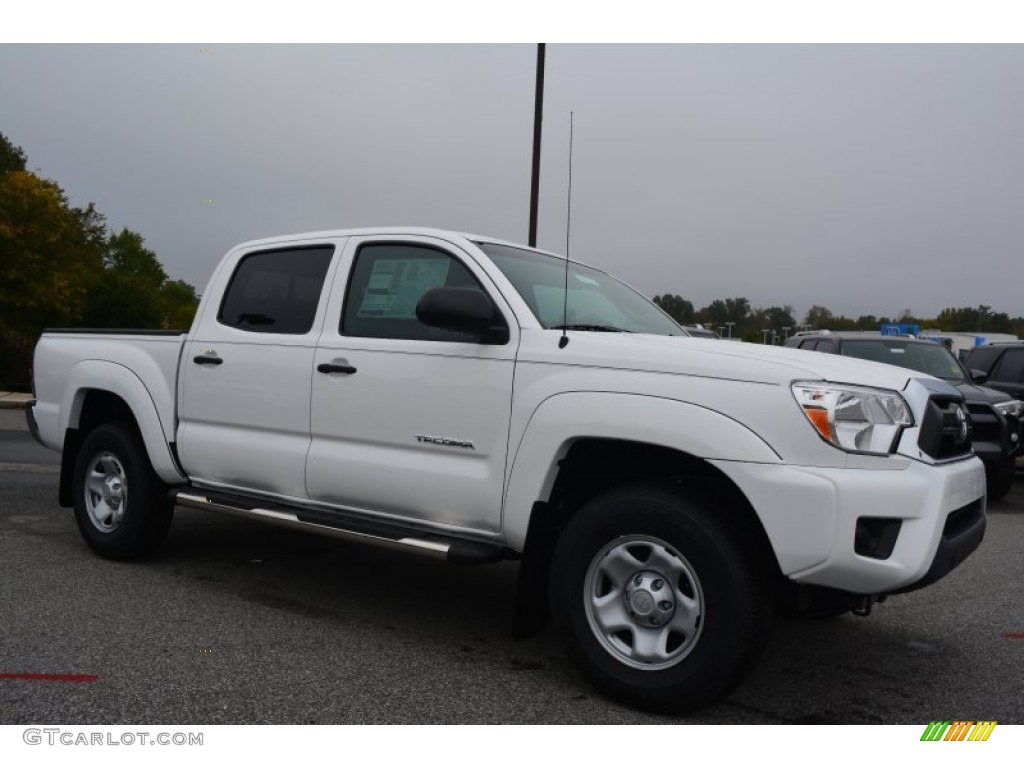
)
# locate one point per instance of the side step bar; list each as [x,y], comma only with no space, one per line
[347,527]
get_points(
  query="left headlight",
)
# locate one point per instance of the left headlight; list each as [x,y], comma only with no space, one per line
[1010,408]
[854,418]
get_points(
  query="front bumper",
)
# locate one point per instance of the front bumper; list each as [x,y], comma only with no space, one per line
[810,515]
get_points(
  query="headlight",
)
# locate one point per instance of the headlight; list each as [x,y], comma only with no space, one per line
[1010,408]
[854,418]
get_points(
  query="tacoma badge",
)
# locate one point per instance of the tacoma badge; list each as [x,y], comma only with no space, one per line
[446,441]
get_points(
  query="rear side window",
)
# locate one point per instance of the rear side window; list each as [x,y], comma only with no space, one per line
[276,291]
[1011,367]
[388,280]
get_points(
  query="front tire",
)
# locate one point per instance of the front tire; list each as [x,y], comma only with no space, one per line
[121,506]
[662,603]
[1000,478]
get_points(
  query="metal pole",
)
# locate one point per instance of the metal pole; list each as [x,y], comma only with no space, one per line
[538,112]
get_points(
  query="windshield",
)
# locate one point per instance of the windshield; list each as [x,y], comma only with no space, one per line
[595,302]
[932,359]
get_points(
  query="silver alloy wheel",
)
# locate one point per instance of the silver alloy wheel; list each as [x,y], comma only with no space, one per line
[106,492]
[644,602]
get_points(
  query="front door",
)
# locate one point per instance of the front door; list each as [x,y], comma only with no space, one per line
[409,421]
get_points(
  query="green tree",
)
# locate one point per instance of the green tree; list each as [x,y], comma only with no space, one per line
[722,311]
[12,158]
[867,323]
[781,317]
[178,303]
[678,308]
[819,317]
[126,292]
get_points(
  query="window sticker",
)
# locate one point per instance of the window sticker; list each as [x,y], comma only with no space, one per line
[396,285]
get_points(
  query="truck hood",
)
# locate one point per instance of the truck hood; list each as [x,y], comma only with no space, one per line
[713,358]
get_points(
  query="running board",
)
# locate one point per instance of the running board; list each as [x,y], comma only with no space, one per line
[347,527]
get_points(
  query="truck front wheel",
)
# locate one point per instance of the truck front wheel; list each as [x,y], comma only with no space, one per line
[121,506]
[661,602]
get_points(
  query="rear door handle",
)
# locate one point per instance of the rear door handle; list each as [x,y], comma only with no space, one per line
[336,368]
[207,360]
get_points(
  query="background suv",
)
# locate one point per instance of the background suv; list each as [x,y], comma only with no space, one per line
[994,415]
[999,366]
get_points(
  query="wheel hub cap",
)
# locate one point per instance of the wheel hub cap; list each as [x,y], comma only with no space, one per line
[649,599]
[106,492]
[643,602]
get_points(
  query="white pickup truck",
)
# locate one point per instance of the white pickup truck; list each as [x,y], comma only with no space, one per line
[476,400]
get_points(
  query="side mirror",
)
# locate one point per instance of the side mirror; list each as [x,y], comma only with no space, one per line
[463,310]
[979,377]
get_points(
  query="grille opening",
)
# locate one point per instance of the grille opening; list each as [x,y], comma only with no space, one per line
[945,429]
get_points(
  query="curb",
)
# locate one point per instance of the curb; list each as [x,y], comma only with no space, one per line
[14,400]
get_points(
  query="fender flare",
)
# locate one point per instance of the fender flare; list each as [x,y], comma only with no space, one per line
[117,379]
[562,419]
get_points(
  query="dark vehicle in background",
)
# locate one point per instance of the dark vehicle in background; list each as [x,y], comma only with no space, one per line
[700,332]
[999,366]
[995,415]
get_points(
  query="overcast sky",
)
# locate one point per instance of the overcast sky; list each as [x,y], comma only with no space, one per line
[866,178]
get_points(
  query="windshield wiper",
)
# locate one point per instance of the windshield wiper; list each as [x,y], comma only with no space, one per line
[589,327]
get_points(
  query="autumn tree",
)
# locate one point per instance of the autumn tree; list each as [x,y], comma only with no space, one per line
[48,253]
[60,267]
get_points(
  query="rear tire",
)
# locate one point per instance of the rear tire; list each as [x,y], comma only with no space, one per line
[121,506]
[661,602]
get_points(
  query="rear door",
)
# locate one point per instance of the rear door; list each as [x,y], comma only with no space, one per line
[245,388]
[409,421]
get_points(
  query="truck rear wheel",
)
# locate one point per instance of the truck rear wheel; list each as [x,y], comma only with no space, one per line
[121,506]
[662,605]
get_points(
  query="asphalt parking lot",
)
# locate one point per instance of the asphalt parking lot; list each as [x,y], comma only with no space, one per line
[235,622]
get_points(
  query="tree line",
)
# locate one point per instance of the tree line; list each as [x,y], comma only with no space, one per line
[737,318]
[61,266]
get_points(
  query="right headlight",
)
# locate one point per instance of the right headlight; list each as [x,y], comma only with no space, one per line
[854,418]
[1010,408]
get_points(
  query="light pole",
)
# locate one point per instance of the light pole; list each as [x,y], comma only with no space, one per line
[538,112]
[765,331]
[729,327]
[785,333]
[775,337]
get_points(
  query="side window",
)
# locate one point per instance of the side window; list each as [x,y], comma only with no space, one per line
[826,345]
[1011,367]
[387,282]
[276,291]
[808,344]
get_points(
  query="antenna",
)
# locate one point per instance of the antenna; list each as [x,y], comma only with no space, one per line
[568,227]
